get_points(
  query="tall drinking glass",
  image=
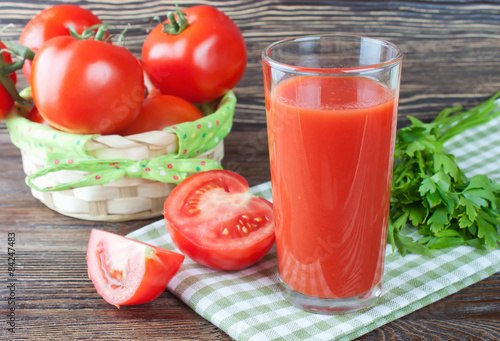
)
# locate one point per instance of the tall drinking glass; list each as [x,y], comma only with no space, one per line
[331,104]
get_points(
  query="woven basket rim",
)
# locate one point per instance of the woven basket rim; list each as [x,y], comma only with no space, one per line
[19,112]
[189,142]
[188,139]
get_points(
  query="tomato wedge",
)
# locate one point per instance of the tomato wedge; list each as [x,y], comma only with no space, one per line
[214,219]
[126,271]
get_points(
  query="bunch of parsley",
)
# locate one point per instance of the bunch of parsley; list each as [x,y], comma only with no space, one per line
[431,192]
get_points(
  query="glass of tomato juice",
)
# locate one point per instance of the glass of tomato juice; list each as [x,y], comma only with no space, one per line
[331,105]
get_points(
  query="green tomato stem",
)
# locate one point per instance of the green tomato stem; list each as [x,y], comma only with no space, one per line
[121,36]
[7,82]
[101,33]
[175,26]
[96,32]
[20,51]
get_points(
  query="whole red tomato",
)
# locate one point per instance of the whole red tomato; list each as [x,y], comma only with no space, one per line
[87,86]
[52,22]
[6,100]
[202,62]
[162,111]
[151,90]
[34,116]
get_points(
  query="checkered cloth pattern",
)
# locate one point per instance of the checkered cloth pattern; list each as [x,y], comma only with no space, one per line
[247,304]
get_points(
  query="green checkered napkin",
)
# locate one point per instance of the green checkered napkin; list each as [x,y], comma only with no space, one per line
[247,304]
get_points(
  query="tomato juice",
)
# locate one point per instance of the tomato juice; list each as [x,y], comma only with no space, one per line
[331,142]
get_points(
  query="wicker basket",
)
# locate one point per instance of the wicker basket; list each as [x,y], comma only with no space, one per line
[115,178]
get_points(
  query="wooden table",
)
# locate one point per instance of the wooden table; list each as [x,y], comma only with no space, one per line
[452,56]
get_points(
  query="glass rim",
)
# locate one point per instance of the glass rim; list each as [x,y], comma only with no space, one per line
[312,70]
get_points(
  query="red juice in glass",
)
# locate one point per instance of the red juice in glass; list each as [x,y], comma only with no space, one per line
[340,142]
[331,145]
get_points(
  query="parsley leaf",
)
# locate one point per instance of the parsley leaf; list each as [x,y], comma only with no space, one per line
[431,192]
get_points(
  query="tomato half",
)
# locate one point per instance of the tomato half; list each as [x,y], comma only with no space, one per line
[162,111]
[87,86]
[53,22]
[202,62]
[6,100]
[214,220]
[126,271]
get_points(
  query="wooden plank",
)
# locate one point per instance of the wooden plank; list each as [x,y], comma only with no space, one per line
[442,41]
[452,57]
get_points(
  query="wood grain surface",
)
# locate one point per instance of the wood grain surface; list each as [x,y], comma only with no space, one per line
[451,56]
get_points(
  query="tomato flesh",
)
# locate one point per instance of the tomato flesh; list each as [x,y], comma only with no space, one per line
[125,271]
[214,220]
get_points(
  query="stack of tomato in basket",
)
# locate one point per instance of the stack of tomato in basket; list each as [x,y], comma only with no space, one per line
[105,135]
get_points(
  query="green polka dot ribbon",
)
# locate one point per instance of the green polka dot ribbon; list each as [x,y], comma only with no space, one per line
[65,151]
[40,141]
[165,168]
[204,134]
